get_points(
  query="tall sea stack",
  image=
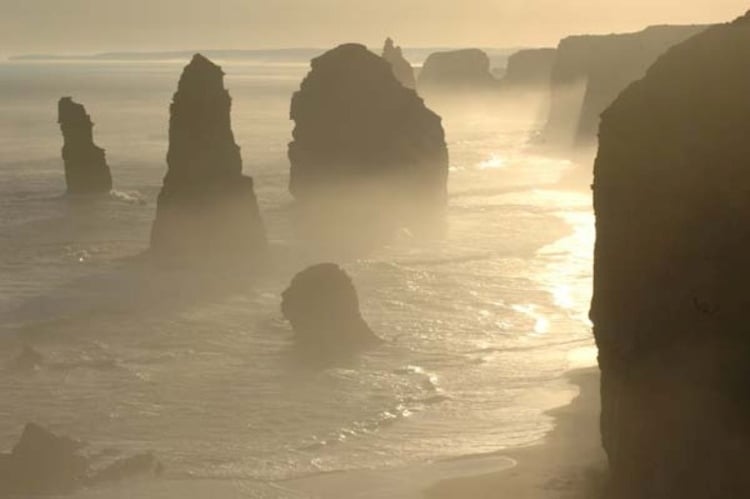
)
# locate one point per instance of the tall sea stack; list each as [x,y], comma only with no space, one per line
[86,170]
[364,139]
[402,69]
[672,201]
[530,68]
[207,209]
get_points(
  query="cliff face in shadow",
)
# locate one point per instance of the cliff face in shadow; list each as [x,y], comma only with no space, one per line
[402,69]
[671,273]
[591,71]
[86,170]
[458,70]
[364,144]
[530,68]
[207,208]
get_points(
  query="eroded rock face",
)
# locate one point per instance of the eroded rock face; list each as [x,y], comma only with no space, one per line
[207,210]
[322,306]
[362,138]
[43,463]
[531,67]
[86,170]
[402,69]
[670,278]
[458,70]
[591,71]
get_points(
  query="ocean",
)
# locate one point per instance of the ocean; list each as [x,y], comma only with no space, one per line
[480,325]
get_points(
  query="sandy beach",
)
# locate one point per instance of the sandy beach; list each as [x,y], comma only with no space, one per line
[570,463]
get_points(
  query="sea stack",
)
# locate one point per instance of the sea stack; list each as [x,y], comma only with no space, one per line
[86,170]
[589,73]
[322,306]
[402,69]
[458,70]
[364,140]
[671,273]
[207,210]
[530,68]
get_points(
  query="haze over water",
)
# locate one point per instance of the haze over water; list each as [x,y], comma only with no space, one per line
[479,326]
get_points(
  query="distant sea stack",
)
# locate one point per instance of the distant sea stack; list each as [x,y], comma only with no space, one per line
[207,210]
[462,70]
[530,68]
[591,71]
[322,306]
[363,139]
[402,69]
[86,170]
[671,273]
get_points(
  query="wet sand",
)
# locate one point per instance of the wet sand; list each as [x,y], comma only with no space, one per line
[568,464]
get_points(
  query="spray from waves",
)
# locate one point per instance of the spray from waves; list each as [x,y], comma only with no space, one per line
[128,197]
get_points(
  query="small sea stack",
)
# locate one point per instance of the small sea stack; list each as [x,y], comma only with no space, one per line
[671,273]
[466,70]
[365,144]
[86,169]
[207,210]
[42,463]
[322,306]
[402,69]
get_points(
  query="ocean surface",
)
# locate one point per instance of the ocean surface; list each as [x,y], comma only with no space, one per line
[480,325]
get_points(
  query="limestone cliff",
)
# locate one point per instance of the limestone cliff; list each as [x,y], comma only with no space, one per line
[207,209]
[86,170]
[672,203]
[591,71]
[402,69]
[530,68]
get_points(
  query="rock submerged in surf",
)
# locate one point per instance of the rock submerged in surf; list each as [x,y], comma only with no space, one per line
[86,169]
[44,463]
[322,306]
[207,210]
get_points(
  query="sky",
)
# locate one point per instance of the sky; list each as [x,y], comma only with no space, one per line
[92,26]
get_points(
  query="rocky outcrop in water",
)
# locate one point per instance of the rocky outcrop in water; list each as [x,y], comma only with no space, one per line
[42,463]
[458,70]
[591,71]
[402,69]
[86,170]
[207,210]
[322,306]
[364,140]
[671,273]
[530,68]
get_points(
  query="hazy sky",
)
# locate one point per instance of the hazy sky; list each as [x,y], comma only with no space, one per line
[70,26]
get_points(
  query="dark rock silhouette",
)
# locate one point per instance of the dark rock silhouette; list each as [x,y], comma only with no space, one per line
[207,210]
[530,68]
[44,463]
[591,71]
[28,359]
[402,69]
[323,308]
[364,141]
[671,273]
[458,70]
[86,170]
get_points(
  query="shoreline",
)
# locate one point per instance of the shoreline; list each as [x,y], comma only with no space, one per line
[569,463]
